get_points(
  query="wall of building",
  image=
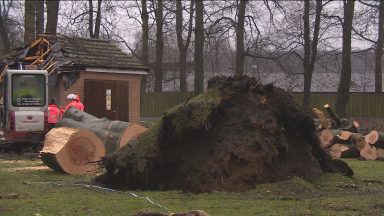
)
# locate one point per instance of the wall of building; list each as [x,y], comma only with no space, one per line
[134,89]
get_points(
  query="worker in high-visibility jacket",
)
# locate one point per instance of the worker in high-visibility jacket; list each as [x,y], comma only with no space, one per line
[81,105]
[53,114]
[73,102]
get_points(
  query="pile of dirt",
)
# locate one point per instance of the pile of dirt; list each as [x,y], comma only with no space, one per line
[235,135]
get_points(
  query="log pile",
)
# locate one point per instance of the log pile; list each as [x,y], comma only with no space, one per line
[343,138]
[80,139]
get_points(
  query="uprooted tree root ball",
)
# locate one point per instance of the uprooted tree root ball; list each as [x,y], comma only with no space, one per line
[233,136]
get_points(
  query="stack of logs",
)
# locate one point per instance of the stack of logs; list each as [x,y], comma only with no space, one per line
[343,138]
[80,140]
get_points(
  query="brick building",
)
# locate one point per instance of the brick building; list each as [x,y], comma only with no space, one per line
[106,79]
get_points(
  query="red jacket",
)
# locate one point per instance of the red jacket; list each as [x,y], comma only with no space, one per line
[76,104]
[53,113]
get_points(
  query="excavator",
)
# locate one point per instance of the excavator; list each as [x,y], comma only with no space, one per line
[24,107]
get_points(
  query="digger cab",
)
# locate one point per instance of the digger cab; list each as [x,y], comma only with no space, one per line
[25,102]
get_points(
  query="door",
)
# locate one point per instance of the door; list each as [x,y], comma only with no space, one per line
[106,99]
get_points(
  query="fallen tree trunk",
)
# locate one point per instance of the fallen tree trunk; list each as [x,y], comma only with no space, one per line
[333,116]
[350,126]
[113,134]
[72,150]
[79,136]
[341,123]
[324,123]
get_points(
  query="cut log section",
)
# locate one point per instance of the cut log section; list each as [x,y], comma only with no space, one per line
[337,149]
[380,154]
[375,138]
[328,137]
[72,150]
[369,152]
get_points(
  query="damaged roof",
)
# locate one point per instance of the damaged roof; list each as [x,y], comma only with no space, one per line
[88,52]
[63,53]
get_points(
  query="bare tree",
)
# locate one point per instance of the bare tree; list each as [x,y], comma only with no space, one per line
[240,53]
[94,32]
[159,47]
[199,48]
[5,46]
[310,48]
[145,39]
[29,22]
[345,79]
[238,24]
[52,16]
[39,14]
[379,50]
[183,47]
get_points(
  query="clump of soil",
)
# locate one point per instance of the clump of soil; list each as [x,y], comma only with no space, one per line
[235,135]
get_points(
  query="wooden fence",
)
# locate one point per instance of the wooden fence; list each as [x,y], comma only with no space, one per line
[360,104]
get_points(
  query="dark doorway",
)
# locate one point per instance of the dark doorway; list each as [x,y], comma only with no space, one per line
[107,99]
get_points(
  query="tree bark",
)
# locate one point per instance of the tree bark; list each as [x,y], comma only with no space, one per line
[379,50]
[199,48]
[310,49]
[144,48]
[183,48]
[90,21]
[98,20]
[345,79]
[29,22]
[5,46]
[159,47]
[113,134]
[324,123]
[39,7]
[52,16]
[333,115]
[240,53]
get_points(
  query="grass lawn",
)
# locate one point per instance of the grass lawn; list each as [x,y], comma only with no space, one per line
[42,191]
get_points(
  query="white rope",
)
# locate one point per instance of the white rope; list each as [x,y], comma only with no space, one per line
[107,189]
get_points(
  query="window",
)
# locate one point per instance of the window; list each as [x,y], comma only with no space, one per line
[28,90]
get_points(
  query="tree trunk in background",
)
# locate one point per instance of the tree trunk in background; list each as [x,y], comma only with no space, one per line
[98,20]
[310,48]
[29,22]
[159,47]
[180,43]
[199,48]
[144,48]
[240,53]
[307,55]
[345,79]
[5,47]
[90,21]
[379,50]
[39,7]
[52,16]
